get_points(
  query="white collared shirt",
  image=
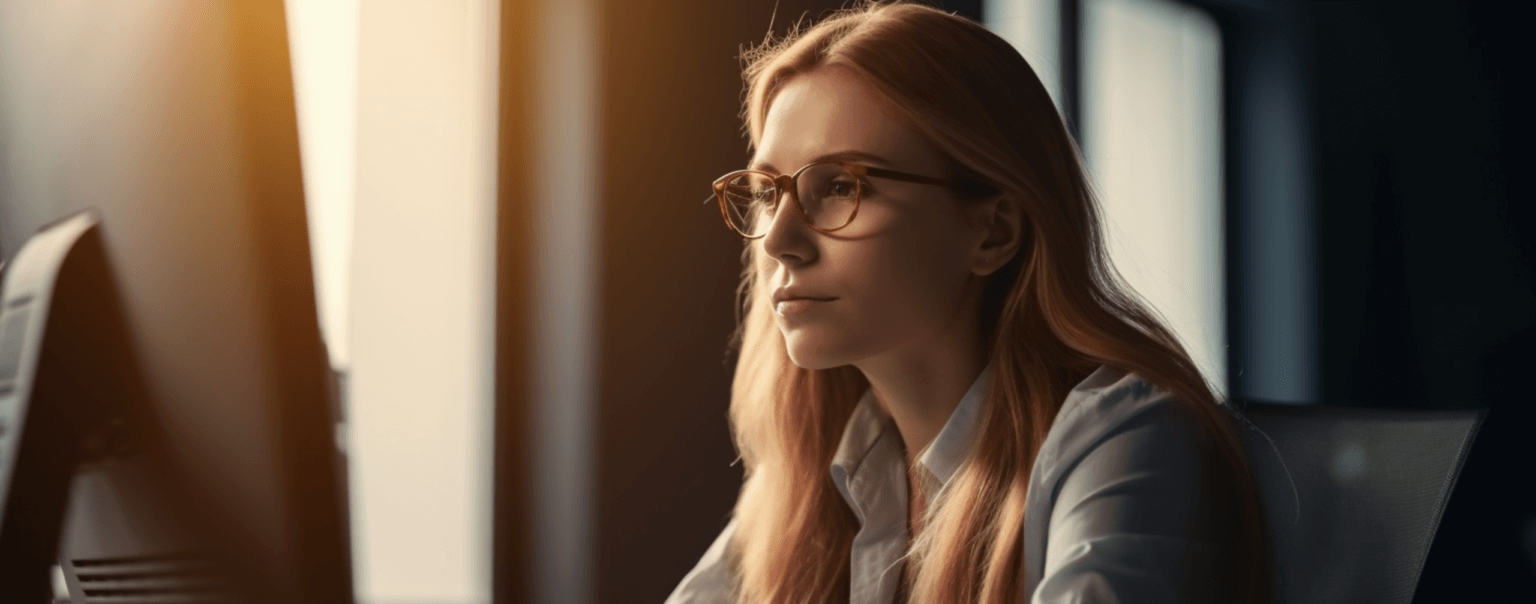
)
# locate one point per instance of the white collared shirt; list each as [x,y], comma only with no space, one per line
[1117,509]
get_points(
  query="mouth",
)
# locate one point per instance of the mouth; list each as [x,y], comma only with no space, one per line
[795,306]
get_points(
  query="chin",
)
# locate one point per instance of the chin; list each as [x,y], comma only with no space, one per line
[808,354]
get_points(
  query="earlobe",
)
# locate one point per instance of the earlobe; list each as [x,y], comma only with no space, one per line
[994,261]
[985,267]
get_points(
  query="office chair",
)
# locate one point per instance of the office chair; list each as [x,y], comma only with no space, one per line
[1352,496]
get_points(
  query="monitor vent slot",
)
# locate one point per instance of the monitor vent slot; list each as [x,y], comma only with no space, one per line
[13,332]
[164,579]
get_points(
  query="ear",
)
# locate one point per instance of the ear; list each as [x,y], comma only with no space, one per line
[999,228]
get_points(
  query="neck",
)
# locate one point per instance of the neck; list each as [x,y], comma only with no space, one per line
[921,389]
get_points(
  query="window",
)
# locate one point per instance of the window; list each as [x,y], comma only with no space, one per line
[1151,130]
[396,108]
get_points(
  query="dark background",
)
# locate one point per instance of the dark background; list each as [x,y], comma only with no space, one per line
[1416,122]
[1422,122]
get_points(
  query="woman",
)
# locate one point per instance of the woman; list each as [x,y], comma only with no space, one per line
[944,392]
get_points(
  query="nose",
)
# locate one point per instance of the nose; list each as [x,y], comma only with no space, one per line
[789,239]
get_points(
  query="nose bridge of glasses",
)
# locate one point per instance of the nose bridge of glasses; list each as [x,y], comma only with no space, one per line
[786,183]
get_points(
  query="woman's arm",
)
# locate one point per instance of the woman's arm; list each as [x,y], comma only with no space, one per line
[1131,522]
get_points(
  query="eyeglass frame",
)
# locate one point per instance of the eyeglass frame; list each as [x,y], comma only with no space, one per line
[859,172]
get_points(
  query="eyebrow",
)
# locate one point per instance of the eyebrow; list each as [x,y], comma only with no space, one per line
[840,155]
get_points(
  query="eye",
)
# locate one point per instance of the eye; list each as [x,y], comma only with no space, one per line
[843,188]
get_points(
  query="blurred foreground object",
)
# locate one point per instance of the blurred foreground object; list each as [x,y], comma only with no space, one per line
[218,477]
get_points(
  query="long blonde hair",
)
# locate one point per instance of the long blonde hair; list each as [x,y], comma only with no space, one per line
[1055,313]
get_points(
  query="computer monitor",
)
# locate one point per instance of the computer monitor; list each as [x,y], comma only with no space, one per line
[174,121]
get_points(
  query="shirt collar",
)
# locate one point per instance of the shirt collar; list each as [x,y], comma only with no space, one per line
[948,449]
[942,458]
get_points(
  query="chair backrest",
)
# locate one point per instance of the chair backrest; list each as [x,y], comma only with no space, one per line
[1352,496]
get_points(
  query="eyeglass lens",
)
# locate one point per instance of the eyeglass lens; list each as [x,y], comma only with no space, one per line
[828,193]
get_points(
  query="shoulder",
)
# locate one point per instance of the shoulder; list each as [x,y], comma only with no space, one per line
[1108,401]
[1123,463]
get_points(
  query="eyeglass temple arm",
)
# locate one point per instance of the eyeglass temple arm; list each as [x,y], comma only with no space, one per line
[904,176]
[968,185]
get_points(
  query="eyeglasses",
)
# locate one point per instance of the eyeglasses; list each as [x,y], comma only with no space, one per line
[826,193]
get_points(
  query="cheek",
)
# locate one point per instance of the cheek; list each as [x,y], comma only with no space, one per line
[909,285]
[762,267]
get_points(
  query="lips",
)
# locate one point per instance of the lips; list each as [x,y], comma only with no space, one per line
[790,301]
[795,306]
[787,294]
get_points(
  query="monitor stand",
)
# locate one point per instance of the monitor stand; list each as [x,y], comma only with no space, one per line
[67,398]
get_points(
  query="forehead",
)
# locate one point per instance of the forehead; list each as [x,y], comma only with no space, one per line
[831,110]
